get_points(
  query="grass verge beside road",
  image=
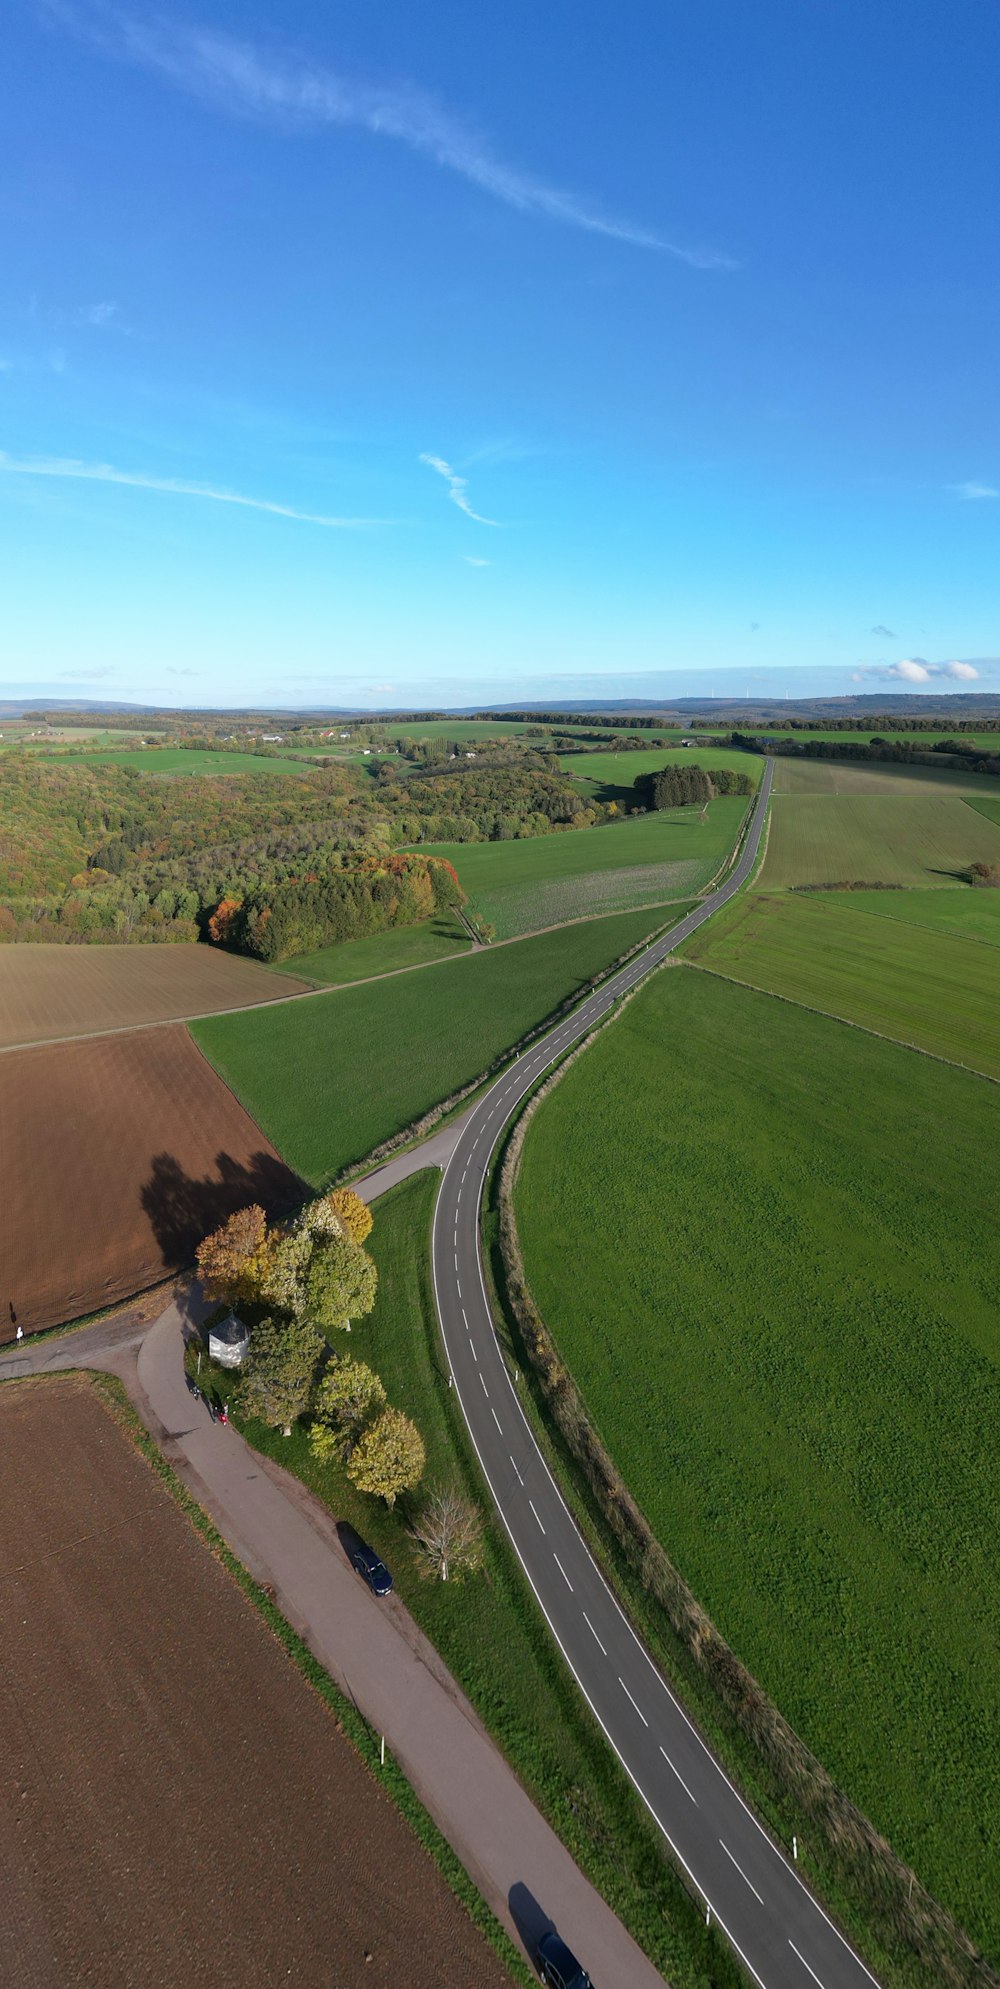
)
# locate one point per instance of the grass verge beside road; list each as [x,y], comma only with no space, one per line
[797,1256]
[488,1628]
[334,1076]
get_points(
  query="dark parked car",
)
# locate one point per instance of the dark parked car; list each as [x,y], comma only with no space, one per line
[558,1967]
[372,1570]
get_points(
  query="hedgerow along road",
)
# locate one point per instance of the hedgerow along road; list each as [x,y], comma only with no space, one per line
[746,1883]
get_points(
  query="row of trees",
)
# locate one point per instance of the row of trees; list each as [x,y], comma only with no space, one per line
[684,786]
[896,752]
[295,1283]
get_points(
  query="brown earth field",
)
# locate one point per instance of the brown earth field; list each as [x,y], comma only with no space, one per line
[117,1155]
[50,991]
[176,1804]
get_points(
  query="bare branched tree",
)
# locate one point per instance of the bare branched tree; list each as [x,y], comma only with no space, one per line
[449,1535]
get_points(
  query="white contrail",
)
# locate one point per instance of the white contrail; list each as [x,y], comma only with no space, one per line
[71,466]
[457,487]
[244,79]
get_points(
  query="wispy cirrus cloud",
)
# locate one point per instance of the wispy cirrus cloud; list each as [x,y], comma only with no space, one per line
[76,471]
[457,488]
[914,670]
[471,560]
[103,316]
[969,492]
[243,78]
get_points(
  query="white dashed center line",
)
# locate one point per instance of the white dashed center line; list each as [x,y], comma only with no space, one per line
[632,1702]
[563,1573]
[593,1633]
[805,1964]
[680,1778]
[742,1874]
[531,1503]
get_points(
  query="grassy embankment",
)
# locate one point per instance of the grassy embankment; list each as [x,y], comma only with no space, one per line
[927,843]
[381,952]
[538,881]
[798,1256]
[330,1078]
[926,987]
[487,1628]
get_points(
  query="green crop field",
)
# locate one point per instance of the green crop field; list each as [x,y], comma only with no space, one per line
[610,776]
[336,1074]
[923,741]
[965,913]
[766,1246]
[181,760]
[990,807]
[921,986]
[875,839]
[855,777]
[382,952]
[538,881]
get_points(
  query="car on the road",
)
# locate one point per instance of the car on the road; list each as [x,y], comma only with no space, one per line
[558,1968]
[371,1569]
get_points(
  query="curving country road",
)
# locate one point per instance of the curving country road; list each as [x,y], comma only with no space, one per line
[748,1885]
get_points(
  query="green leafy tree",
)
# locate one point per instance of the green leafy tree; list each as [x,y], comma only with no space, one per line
[340,1283]
[279,1371]
[349,1396]
[389,1457]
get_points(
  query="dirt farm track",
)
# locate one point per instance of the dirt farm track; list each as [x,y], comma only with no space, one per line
[117,1155]
[176,1804]
[52,991]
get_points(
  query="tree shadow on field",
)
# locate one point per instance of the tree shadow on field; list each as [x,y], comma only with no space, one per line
[183,1209]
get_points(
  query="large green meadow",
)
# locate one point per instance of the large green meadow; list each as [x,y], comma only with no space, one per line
[932,988]
[538,881]
[782,1315]
[182,760]
[887,777]
[611,776]
[965,913]
[330,1076]
[382,952]
[922,841]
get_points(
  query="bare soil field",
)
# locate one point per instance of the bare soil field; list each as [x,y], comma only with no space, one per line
[176,1804]
[52,991]
[117,1155]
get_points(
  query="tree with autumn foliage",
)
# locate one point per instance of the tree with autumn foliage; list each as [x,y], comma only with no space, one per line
[354,1215]
[224,922]
[388,1458]
[232,1261]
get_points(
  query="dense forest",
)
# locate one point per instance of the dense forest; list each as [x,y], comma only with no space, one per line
[112,853]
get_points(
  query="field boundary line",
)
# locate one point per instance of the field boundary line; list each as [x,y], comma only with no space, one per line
[336,987]
[846,1021]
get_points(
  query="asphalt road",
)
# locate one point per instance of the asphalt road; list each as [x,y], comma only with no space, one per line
[747,1883]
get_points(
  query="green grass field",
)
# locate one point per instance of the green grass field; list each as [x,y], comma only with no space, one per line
[182,760]
[526,885]
[924,741]
[488,1628]
[382,952]
[854,777]
[965,914]
[989,807]
[331,1076]
[924,987]
[766,1246]
[875,839]
[610,776]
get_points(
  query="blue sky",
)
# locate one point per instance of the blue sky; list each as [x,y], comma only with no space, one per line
[389,354]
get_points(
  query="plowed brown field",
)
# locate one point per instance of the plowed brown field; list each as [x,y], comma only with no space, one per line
[176,1805]
[48,991]
[117,1155]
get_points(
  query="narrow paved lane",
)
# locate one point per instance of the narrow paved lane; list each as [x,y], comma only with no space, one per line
[752,1890]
